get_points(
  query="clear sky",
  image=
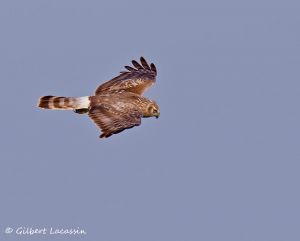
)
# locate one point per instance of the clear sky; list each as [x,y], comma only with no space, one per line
[222,161]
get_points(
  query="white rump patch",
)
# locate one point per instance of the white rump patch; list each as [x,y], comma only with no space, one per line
[82,102]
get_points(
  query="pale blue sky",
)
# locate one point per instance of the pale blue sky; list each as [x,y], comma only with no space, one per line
[222,161]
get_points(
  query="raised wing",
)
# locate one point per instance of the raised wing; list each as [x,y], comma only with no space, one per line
[112,121]
[136,79]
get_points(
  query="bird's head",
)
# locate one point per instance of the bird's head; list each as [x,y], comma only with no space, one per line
[152,110]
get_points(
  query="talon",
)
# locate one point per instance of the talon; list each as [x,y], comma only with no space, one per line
[81,111]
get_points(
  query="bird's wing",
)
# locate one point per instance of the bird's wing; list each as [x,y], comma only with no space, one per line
[112,121]
[136,80]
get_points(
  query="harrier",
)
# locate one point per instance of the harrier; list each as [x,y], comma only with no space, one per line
[118,104]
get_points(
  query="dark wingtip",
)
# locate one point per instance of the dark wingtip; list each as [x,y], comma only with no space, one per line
[153,68]
[129,68]
[136,64]
[105,135]
[140,66]
[144,63]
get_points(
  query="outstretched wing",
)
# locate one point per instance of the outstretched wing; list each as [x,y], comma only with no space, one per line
[136,80]
[112,121]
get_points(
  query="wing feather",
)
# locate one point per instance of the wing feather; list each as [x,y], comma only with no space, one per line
[145,64]
[112,121]
[153,68]
[136,80]
[136,64]
[130,68]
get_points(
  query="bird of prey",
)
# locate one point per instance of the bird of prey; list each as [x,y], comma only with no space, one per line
[118,104]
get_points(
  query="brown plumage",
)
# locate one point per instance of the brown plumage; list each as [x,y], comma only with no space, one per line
[118,104]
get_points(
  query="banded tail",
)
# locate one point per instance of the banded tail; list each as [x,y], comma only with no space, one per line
[64,103]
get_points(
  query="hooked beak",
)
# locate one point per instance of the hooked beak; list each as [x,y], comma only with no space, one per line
[158,114]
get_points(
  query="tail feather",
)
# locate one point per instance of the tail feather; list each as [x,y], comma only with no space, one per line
[64,103]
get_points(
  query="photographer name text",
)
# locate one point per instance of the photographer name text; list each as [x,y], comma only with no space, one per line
[45,231]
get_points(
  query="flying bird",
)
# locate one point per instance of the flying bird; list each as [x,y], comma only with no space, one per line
[117,104]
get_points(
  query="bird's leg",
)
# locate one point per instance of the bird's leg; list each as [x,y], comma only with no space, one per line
[81,111]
